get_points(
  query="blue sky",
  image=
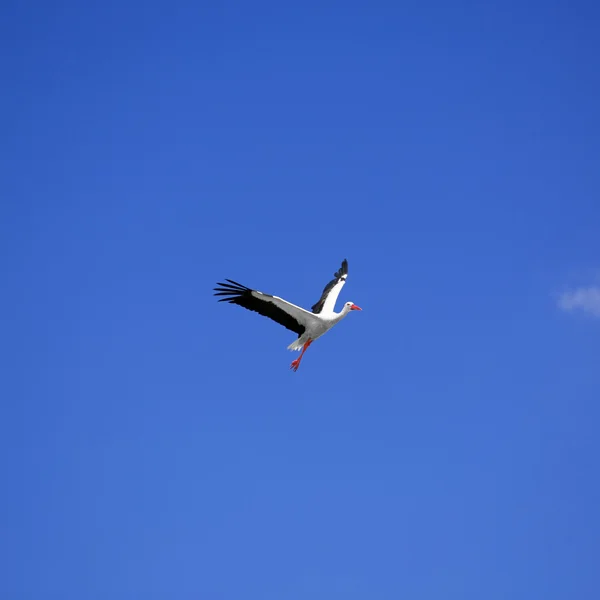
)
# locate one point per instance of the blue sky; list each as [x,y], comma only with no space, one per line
[440,444]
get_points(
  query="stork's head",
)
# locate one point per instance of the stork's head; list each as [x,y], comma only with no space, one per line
[352,306]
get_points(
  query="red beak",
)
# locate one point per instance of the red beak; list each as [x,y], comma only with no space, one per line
[354,307]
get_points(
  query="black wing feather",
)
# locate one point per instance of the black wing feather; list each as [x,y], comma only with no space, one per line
[343,270]
[236,293]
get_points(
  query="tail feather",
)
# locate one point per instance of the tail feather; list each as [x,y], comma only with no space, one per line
[296,345]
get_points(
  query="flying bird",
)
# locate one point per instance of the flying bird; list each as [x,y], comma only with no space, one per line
[308,325]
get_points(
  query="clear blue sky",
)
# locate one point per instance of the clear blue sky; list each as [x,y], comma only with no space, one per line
[440,444]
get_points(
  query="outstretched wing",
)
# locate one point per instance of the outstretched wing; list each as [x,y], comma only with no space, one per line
[289,315]
[332,290]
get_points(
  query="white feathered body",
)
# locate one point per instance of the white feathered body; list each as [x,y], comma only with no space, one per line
[317,327]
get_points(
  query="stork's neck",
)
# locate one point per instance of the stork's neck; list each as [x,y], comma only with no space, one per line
[339,316]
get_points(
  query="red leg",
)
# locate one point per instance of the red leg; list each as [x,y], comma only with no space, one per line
[296,363]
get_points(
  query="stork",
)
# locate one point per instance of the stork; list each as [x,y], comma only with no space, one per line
[308,325]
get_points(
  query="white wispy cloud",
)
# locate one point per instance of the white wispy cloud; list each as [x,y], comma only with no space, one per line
[585,299]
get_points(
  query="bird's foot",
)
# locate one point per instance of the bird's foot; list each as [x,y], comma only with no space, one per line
[295,364]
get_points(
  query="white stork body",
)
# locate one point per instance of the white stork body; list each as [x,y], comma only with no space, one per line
[317,325]
[308,325]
